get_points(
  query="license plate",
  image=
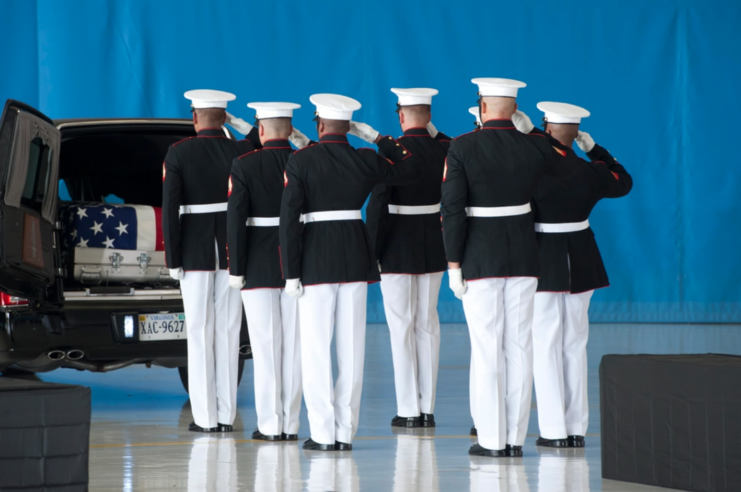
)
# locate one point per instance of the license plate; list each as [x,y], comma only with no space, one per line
[155,327]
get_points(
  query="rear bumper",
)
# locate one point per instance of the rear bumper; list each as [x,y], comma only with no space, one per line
[89,328]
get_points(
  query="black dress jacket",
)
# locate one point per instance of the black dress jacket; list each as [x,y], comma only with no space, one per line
[571,261]
[329,176]
[411,244]
[196,172]
[496,166]
[256,191]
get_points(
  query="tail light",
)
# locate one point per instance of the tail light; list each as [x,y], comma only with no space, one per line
[7,300]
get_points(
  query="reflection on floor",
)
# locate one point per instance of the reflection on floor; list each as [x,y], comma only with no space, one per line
[140,440]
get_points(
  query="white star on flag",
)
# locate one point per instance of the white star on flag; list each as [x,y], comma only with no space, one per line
[108,212]
[82,243]
[96,228]
[122,228]
[73,234]
[81,212]
[108,242]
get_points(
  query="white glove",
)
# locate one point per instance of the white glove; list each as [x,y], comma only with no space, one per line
[363,131]
[379,266]
[294,287]
[298,139]
[431,128]
[238,124]
[522,122]
[584,141]
[236,282]
[177,273]
[457,284]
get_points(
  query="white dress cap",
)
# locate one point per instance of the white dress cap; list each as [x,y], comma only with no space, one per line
[474,110]
[493,87]
[206,98]
[414,97]
[556,112]
[334,106]
[267,110]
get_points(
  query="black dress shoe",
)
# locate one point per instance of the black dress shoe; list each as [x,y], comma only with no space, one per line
[259,436]
[226,428]
[288,437]
[193,427]
[575,441]
[406,421]
[477,450]
[342,446]
[312,445]
[474,432]
[428,420]
[552,443]
[513,451]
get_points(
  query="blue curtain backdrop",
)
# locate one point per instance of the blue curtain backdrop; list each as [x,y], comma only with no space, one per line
[661,78]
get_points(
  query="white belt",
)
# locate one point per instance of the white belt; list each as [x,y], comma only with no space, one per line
[208,208]
[331,215]
[497,211]
[414,210]
[263,221]
[564,227]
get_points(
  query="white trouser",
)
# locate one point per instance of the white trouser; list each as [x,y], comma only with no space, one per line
[499,313]
[416,464]
[487,475]
[213,316]
[333,411]
[332,471]
[272,318]
[410,302]
[560,333]
[278,469]
[213,465]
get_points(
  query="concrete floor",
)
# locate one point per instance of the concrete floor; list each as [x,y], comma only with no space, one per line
[139,438]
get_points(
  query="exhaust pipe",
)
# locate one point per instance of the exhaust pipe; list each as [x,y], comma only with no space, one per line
[75,354]
[245,350]
[56,355]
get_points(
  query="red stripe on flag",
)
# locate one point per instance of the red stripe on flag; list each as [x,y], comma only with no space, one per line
[160,241]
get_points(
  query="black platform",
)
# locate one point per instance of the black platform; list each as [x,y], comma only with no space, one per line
[672,420]
[44,436]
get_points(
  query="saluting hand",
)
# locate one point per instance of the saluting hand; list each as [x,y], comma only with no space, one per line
[364,132]
[238,124]
[585,141]
[298,139]
[522,122]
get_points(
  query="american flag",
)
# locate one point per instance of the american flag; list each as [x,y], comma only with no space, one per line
[93,225]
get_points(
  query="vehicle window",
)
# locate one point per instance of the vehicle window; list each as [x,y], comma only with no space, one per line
[37,176]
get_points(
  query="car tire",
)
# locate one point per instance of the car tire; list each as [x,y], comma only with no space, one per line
[183,372]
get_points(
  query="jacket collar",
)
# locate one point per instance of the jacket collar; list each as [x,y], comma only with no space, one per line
[503,124]
[334,138]
[211,132]
[276,143]
[416,132]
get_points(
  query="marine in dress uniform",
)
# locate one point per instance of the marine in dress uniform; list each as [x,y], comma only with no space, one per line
[490,243]
[571,268]
[332,256]
[253,215]
[195,189]
[404,226]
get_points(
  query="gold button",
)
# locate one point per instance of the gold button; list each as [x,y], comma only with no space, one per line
[403,151]
[398,145]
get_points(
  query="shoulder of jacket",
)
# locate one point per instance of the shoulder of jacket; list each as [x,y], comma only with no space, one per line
[307,147]
[183,140]
[465,135]
[253,152]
